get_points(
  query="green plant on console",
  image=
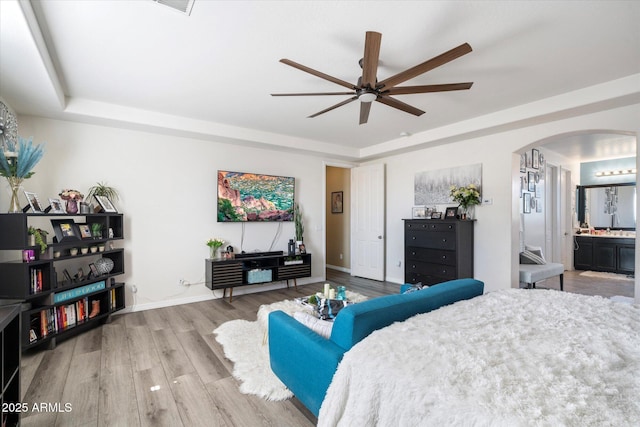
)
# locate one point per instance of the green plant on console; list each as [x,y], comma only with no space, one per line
[299,223]
[102,189]
[41,237]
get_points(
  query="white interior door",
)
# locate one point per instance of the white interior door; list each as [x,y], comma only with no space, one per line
[367,222]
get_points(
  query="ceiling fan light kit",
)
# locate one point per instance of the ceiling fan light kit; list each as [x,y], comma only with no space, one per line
[369,89]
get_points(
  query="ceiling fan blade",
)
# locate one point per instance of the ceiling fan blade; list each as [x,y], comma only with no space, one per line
[318,73]
[432,63]
[340,104]
[365,107]
[313,94]
[370,60]
[427,88]
[391,102]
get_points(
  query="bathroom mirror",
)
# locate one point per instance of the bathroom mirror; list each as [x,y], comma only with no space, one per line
[607,206]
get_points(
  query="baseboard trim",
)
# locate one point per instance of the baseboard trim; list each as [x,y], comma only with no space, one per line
[335,267]
[217,294]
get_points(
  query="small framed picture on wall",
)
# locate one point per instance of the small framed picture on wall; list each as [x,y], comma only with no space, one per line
[526,203]
[531,181]
[336,202]
[535,159]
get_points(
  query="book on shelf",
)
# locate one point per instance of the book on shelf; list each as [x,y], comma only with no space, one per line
[36,281]
[79,291]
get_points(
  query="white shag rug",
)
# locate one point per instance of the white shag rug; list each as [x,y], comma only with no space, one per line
[508,358]
[245,344]
[606,275]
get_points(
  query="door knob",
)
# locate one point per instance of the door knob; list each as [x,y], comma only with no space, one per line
[380,237]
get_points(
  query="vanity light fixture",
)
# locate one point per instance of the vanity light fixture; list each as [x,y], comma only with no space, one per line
[616,172]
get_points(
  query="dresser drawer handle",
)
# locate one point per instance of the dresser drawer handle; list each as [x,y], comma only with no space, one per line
[413,238]
[444,257]
[450,226]
[444,240]
[413,266]
[413,253]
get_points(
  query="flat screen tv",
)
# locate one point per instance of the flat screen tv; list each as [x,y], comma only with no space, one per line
[248,197]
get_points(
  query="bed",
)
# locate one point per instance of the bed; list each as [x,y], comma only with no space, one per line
[513,357]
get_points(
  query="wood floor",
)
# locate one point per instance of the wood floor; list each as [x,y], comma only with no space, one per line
[164,367]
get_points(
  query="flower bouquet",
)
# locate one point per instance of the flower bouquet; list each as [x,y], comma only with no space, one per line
[17,163]
[72,197]
[214,245]
[466,197]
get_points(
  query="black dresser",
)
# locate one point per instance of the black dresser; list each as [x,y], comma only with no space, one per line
[437,250]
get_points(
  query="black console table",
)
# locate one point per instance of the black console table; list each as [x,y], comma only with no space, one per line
[254,269]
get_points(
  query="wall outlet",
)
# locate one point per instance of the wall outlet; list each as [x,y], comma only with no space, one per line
[341,256]
[134,288]
[181,282]
[487,201]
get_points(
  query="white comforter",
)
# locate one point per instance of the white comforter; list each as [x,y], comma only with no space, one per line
[508,358]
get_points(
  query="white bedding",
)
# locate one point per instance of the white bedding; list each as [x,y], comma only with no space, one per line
[508,358]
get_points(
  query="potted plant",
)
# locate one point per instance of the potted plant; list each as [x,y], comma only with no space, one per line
[102,189]
[214,245]
[299,224]
[40,237]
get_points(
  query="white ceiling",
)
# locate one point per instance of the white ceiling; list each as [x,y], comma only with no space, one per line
[210,75]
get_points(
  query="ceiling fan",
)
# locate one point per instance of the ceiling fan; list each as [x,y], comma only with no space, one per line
[369,89]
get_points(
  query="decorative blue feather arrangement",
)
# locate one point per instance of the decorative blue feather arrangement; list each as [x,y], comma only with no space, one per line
[20,163]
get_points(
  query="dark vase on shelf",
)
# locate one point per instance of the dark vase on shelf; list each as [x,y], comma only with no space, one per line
[72,206]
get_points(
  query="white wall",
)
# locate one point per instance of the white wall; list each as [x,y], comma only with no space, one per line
[496,229]
[168,189]
[168,196]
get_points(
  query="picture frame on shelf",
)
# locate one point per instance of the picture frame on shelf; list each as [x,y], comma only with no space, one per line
[418,212]
[94,270]
[105,204]
[65,230]
[337,202]
[67,276]
[34,202]
[451,212]
[85,231]
[436,215]
[526,203]
[56,206]
[535,158]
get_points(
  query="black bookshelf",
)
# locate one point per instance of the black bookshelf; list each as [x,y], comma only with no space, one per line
[39,284]
[10,361]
